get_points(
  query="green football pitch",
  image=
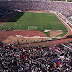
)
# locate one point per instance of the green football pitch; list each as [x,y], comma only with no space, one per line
[43,21]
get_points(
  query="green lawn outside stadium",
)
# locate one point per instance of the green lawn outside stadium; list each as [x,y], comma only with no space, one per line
[43,21]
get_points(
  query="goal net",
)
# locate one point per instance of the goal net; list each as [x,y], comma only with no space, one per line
[32,28]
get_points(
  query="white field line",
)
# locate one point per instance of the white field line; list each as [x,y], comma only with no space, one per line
[20,36]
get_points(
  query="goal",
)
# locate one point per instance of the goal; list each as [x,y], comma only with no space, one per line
[32,28]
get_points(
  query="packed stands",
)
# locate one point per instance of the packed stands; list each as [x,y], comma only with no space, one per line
[63,7]
[3,12]
[15,58]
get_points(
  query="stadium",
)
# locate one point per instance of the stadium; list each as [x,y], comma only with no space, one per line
[35,36]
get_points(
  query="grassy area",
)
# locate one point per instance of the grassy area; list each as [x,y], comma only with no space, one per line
[16,17]
[47,33]
[43,21]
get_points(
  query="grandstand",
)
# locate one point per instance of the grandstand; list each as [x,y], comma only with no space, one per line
[38,5]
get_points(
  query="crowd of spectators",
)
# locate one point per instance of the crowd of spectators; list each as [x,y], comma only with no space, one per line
[64,7]
[3,12]
[56,58]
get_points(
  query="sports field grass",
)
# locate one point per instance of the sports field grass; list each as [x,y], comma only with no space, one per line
[43,21]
